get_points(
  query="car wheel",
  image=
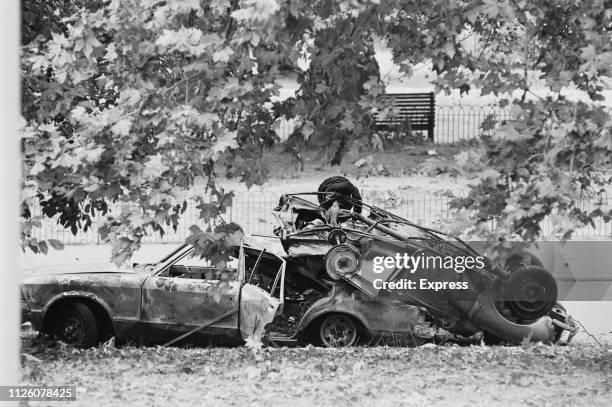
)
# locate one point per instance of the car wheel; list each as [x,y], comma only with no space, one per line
[338,331]
[531,292]
[342,186]
[76,326]
[520,260]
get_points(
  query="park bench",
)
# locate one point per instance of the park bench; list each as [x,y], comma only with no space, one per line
[415,111]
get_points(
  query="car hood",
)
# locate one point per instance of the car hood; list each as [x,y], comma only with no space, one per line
[78,269]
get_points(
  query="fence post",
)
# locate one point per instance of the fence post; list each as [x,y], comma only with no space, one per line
[432,121]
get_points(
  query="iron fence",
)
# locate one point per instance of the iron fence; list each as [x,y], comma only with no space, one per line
[453,123]
[458,123]
[253,211]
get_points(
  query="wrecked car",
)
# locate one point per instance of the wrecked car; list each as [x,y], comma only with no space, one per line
[330,236]
[156,302]
[337,272]
[181,297]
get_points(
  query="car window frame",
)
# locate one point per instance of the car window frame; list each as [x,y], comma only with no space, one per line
[279,277]
[174,257]
[177,256]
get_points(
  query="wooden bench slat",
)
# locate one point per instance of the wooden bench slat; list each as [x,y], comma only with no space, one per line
[408,100]
[408,96]
[415,109]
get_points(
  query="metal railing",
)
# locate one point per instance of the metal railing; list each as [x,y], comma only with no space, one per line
[453,123]
[463,122]
[253,212]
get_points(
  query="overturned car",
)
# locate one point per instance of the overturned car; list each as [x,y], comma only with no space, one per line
[340,239]
[339,272]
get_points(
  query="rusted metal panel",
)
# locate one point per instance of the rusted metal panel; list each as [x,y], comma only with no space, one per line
[186,303]
[117,292]
[258,308]
[384,315]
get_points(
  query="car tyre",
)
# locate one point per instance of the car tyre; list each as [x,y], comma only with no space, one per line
[76,326]
[531,292]
[342,186]
[337,331]
[521,260]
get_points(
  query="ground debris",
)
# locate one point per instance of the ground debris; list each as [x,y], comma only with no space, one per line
[440,375]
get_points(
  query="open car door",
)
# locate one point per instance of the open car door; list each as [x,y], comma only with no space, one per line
[261,296]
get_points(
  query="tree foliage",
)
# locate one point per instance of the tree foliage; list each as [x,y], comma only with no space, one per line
[139,101]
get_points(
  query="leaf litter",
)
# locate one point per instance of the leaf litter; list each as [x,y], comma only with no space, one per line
[537,375]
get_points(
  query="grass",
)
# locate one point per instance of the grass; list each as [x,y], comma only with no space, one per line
[397,160]
[430,375]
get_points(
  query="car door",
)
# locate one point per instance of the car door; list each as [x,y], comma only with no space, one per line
[175,301]
[261,299]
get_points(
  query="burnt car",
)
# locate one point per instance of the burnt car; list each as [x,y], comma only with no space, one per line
[331,236]
[156,302]
[182,297]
